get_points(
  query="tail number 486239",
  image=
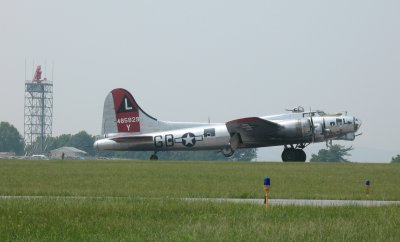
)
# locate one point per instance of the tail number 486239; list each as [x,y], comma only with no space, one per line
[128,120]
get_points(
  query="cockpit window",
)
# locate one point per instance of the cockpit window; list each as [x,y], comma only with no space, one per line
[339,122]
[347,121]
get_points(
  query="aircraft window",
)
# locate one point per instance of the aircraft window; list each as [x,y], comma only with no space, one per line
[332,123]
[209,132]
[339,122]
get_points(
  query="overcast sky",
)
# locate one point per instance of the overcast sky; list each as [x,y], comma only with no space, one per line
[190,60]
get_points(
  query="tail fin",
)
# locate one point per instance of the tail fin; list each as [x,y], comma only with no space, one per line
[121,113]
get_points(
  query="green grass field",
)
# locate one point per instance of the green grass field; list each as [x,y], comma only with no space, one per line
[139,201]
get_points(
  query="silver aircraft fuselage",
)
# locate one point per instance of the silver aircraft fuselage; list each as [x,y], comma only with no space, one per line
[215,136]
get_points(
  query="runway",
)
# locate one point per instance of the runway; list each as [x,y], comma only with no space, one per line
[271,202]
[302,202]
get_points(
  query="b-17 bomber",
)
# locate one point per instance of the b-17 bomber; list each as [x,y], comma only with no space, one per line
[126,127]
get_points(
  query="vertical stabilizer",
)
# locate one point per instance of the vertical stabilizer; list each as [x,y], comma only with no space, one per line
[121,114]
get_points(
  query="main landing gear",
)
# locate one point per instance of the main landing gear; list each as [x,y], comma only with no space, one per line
[294,154]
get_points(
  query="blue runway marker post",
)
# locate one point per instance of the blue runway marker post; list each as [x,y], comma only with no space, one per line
[367,184]
[267,184]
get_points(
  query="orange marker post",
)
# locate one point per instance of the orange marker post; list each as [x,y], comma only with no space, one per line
[367,184]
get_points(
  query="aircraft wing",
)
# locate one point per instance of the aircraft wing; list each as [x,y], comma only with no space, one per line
[132,138]
[252,129]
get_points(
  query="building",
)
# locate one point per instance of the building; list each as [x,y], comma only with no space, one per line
[68,153]
[7,155]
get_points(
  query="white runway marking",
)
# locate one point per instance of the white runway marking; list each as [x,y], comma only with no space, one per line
[302,202]
[26,197]
[272,202]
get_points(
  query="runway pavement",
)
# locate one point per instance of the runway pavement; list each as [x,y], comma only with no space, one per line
[271,202]
[302,202]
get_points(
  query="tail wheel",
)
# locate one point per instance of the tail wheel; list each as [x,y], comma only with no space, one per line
[228,152]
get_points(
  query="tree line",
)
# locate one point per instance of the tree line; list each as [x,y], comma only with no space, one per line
[12,141]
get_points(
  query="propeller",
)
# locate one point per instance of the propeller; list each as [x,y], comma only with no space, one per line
[312,127]
[326,134]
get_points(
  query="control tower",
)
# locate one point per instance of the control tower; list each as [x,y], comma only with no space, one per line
[38,113]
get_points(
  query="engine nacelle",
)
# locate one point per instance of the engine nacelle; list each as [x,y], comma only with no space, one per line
[296,128]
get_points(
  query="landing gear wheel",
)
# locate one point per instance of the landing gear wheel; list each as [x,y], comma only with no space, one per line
[292,154]
[302,157]
[153,157]
[285,155]
[228,152]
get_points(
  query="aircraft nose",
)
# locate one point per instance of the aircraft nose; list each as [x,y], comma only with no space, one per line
[357,123]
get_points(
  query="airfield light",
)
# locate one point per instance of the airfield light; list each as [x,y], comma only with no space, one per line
[367,184]
[267,184]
